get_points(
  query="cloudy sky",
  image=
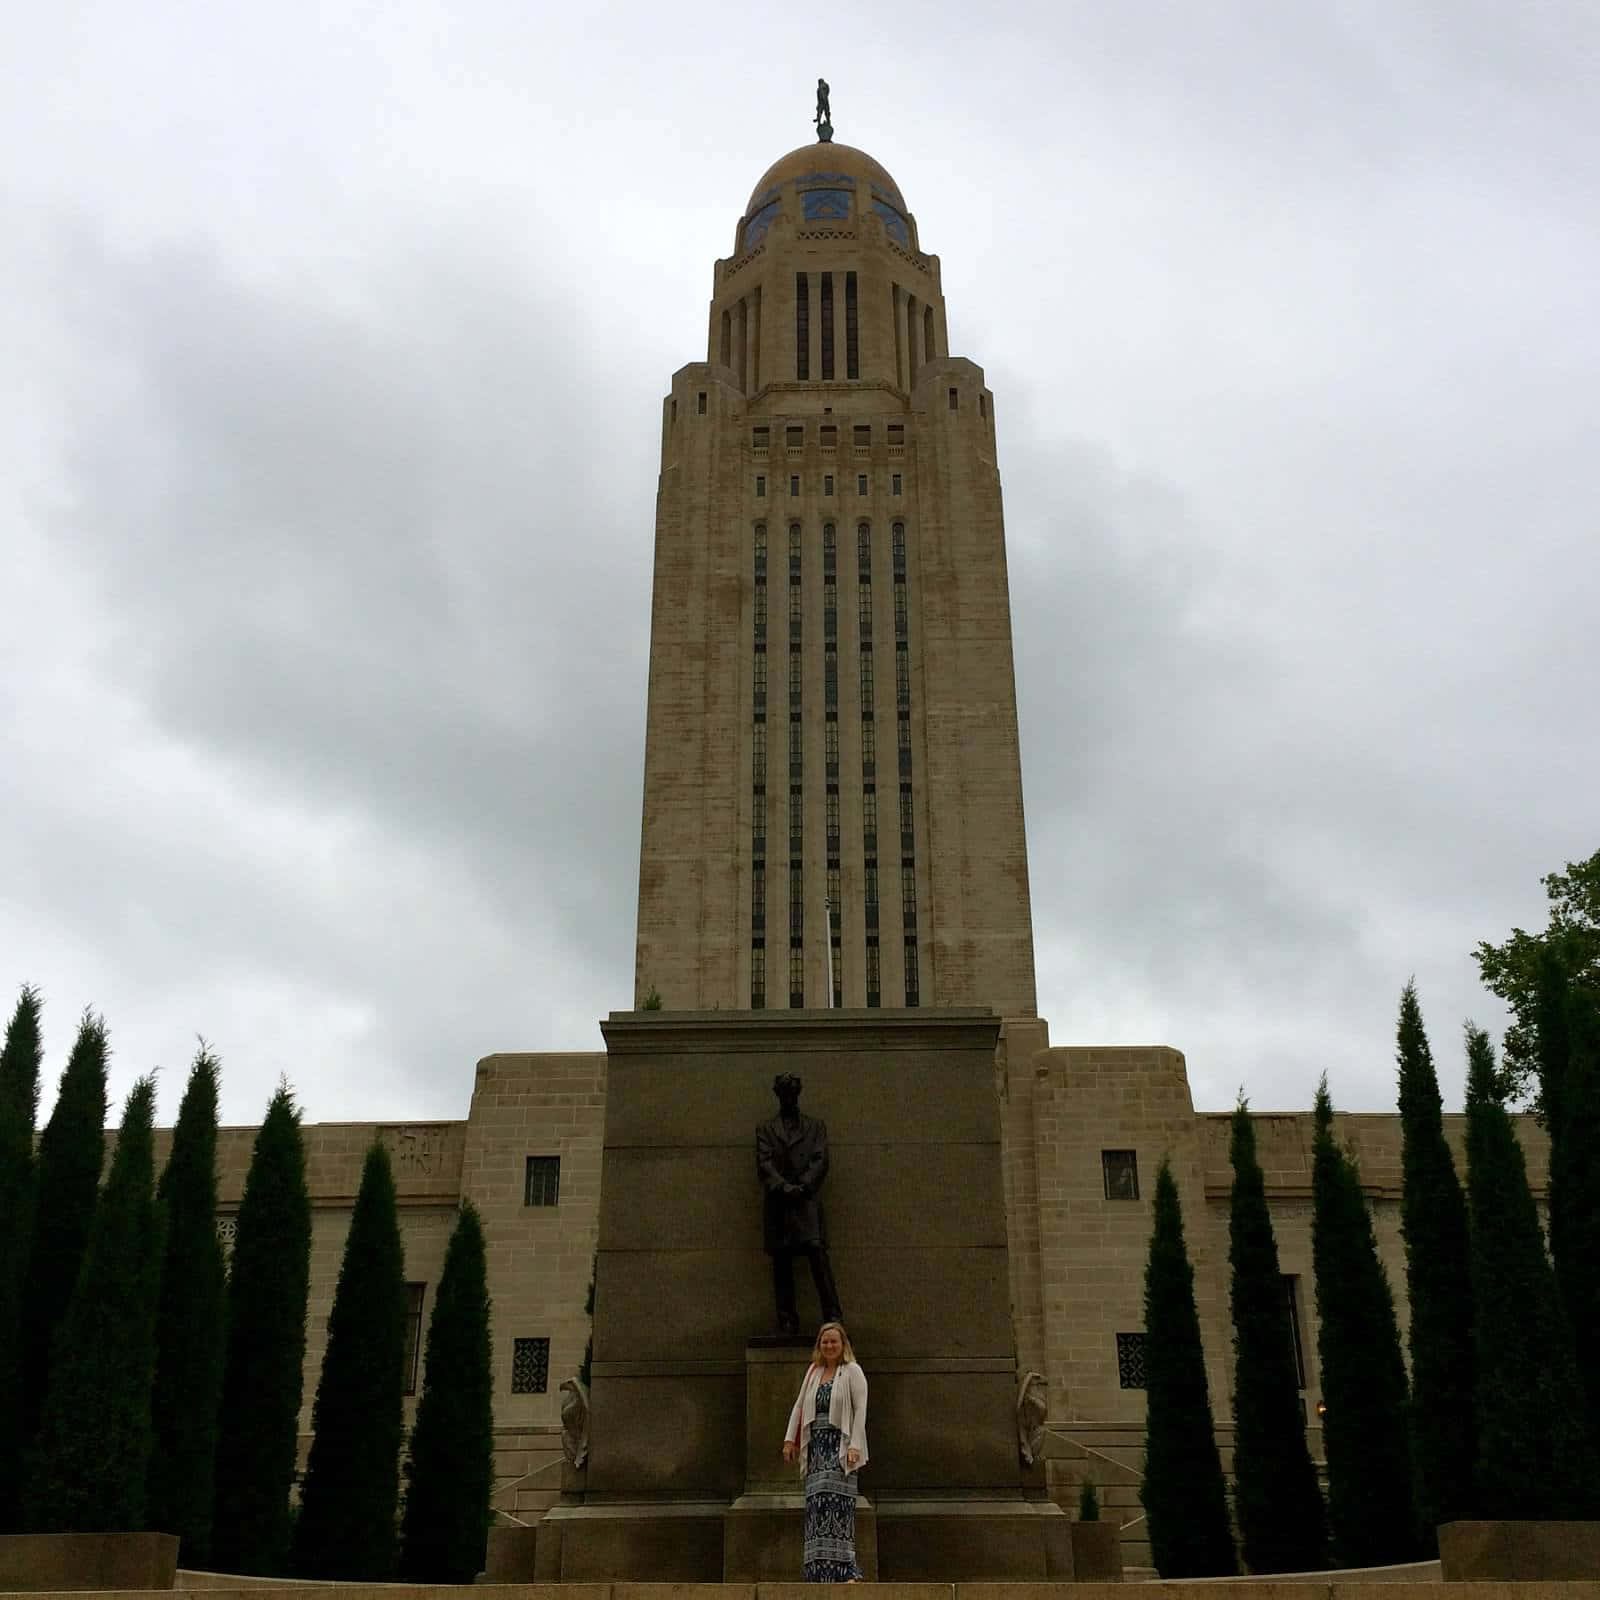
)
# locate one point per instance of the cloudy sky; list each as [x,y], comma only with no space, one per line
[335,335]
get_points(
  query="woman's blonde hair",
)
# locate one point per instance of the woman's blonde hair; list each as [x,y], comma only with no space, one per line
[816,1349]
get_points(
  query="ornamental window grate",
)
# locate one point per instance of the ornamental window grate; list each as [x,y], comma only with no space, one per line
[530,1366]
[542,1182]
[1130,1361]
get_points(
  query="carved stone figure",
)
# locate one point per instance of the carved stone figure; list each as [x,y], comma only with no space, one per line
[1033,1405]
[575,1422]
[791,1162]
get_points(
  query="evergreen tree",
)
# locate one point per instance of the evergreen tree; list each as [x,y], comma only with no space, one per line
[87,1471]
[1575,1189]
[1534,1457]
[1371,1513]
[266,1345]
[1433,1218]
[451,1471]
[189,1325]
[346,1527]
[1282,1522]
[71,1151]
[19,1109]
[1185,1500]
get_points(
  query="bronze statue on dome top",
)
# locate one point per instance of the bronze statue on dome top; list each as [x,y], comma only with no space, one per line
[824,117]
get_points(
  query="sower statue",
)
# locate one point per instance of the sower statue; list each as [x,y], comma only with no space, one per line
[791,1162]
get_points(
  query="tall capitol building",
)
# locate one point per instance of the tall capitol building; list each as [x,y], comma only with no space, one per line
[833,880]
[832,790]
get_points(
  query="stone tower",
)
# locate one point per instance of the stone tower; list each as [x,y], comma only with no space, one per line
[832,789]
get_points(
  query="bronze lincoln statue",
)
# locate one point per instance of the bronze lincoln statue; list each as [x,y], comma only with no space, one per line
[791,1162]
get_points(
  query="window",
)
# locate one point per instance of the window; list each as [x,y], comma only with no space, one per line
[794,741]
[913,983]
[897,543]
[864,546]
[802,328]
[830,749]
[1121,1171]
[831,811]
[794,600]
[794,677]
[852,361]
[1291,1304]
[955,399]
[861,434]
[866,678]
[983,405]
[414,1294]
[864,607]
[794,438]
[826,299]
[542,1183]
[794,485]
[794,549]
[830,694]
[829,438]
[861,483]
[894,483]
[1130,1361]
[869,812]
[761,487]
[530,1366]
[700,403]
[874,992]
[830,548]
[902,676]
[761,547]
[827,484]
[674,408]
[760,608]
[758,895]
[758,977]
[900,609]
[908,895]
[758,754]
[797,825]
[761,678]
[870,878]
[759,438]
[797,905]
[869,746]
[905,808]
[897,434]
[797,975]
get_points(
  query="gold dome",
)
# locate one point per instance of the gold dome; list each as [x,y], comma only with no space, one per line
[826,160]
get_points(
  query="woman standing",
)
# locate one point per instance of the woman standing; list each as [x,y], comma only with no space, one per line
[828,1433]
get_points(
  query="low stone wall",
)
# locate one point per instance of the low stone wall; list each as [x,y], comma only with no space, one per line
[1528,1552]
[53,1562]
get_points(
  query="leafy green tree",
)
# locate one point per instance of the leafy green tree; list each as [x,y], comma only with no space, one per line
[189,1325]
[71,1151]
[1283,1524]
[1371,1513]
[444,1531]
[1533,1052]
[1185,1500]
[19,1109]
[346,1527]
[1433,1218]
[1534,1456]
[88,1468]
[266,1346]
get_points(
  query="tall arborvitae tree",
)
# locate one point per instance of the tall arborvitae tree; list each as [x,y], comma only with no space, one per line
[87,1471]
[1433,1218]
[1371,1510]
[71,1151]
[19,1108]
[1282,1522]
[346,1527]
[261,1384]
[1185,1500]
[451,1471]
[190,1326]
[1575,1190]
[1534,1456]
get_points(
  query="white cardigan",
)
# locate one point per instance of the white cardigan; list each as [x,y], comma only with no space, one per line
[847,1409]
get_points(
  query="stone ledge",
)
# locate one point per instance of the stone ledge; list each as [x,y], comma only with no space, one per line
[54,1562]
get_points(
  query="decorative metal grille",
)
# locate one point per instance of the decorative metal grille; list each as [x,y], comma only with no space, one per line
[227,1232]
[1130,1361]
[543,1185]
[530,1366]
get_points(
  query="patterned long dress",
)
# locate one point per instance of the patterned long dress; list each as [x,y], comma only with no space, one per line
[830,1501]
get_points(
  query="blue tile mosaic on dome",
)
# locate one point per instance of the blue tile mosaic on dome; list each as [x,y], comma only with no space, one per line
[836,180]
[890,194]
[755,229]
[825,205]
[893,223]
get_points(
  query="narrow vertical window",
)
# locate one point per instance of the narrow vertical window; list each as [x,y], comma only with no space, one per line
[826,297]
[758,978]
[830,754]
[727,339]
[927,332]
[761,488]
[861,483]
[700,403]
[797,974]
[827,484]
[794,486]
[758,755]
[894,483]
[874,988]
[802,328]
[852,357]
[758,895]
[414,1295]
[913,980]
[955,399]
[797,902]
